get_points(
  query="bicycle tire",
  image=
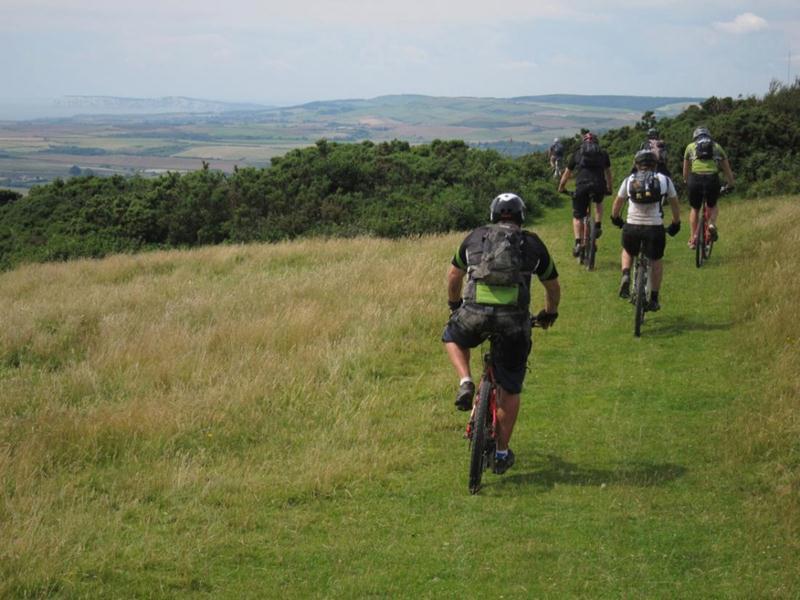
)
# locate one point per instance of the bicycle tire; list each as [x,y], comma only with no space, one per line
[480,435]
[700,240]
[640,284]
[591,249]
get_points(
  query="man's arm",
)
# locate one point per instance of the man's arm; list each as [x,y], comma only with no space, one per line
[616,208]
[455,278]
[676,209]
[564,179]
[609,180]
[552,295]
[726,168]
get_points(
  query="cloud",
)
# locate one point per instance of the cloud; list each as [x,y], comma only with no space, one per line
[746,23]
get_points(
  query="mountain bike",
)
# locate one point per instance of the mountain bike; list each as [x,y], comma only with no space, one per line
[640,275]
[588,243]
[702,251]
[482,425]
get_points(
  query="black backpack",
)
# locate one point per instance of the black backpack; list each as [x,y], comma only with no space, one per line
[591,157]
[644,187]
[501,257]
[704,148]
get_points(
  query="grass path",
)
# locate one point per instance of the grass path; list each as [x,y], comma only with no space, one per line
[627,483]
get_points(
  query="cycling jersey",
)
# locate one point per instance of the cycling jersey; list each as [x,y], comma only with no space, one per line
[704,166]
[647,213]
[589,176]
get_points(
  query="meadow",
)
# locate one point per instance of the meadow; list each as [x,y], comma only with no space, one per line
[278,421]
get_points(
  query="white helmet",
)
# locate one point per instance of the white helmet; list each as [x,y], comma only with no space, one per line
[507,204]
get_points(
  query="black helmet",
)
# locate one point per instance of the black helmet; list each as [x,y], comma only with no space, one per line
[701,132]
[652,133]
[645,157]
[507,206]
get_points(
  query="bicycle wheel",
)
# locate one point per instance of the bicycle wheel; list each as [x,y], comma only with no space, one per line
[640,287]
[699,241]
[591,249]
[480,438]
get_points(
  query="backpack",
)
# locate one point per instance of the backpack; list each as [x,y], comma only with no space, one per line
[704,148]
[644,187]
[557,149]
[591,157]
[659,148]
[501,257]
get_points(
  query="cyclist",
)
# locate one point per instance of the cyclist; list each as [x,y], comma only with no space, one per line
[592,183]
[555,153]
[659,148]
[702,161]
[645,192]
[488,308]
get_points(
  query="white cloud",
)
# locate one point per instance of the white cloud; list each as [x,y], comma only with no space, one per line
[745,23]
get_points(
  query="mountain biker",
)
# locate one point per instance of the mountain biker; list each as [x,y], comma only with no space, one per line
[645,192]
[503,310]
[592,182]
[555,153]
[702,161]
[659,148]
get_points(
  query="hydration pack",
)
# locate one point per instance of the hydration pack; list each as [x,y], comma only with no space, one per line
[704,148]
[591,156]
[644,187]
[501,257]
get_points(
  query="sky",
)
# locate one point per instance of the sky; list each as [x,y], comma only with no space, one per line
[295,51]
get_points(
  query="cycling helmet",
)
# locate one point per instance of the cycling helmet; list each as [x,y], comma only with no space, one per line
[701,132]
[652,133]
[507,206]
[589,137]
[645,157]
[555,140]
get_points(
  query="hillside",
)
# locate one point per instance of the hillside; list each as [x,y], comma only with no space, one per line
[127,136]
[276,420]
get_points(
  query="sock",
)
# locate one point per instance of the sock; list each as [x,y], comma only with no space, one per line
[626,272]
[598,224]
[464,380]
[501,454]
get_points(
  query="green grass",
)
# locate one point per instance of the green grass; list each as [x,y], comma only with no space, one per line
[277,421]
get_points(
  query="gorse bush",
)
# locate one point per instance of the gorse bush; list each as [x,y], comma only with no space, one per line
[389,189]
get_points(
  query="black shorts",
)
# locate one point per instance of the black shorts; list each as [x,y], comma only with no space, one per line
[583,195]
[473,323]
[703,186]
[653,236]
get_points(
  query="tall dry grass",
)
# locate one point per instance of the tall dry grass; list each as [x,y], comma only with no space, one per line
[767,432]
[200,379]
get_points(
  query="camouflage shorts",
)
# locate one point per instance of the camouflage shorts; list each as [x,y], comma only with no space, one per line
[472,324]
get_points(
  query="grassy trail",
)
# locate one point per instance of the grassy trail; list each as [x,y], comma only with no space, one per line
[324,458]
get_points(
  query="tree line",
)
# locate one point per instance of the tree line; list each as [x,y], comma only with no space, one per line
[386,189]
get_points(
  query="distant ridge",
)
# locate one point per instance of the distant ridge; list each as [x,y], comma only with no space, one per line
[164,104]
[611,101]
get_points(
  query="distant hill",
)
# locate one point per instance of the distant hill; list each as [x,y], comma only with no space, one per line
[658,104]
[166,104]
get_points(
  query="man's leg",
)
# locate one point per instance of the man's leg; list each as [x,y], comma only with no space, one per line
[656,274]
[507,411]
[692,225]
[459,357]
[466,387]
